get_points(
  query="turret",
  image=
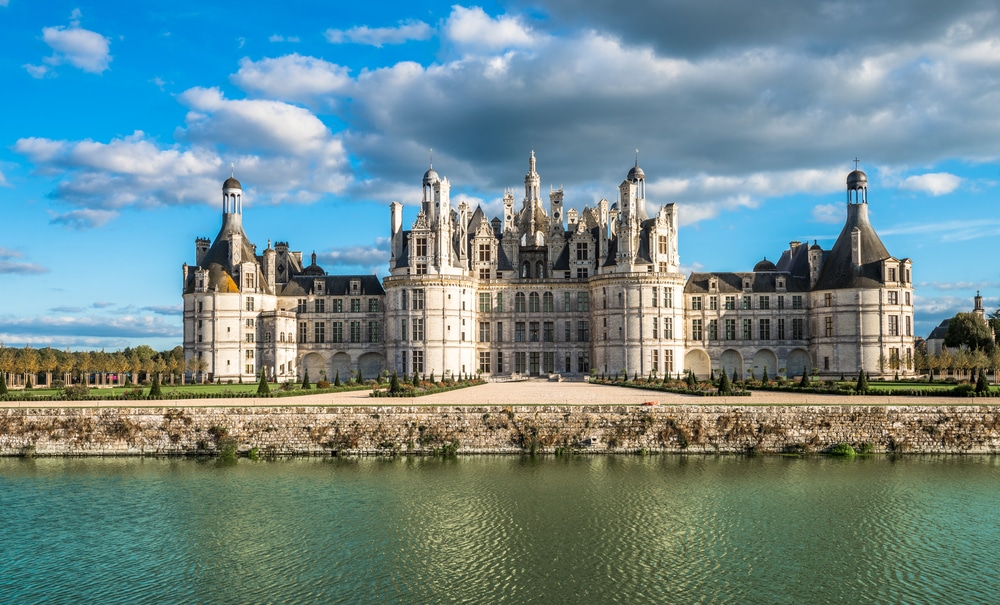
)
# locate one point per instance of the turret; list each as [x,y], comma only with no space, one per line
[201,246]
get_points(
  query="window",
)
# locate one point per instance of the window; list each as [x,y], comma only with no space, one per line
[418,329]
[696,303]
[828,299]
[581,251]
[499,302]
[249,354]
[319,331]
[355,331]
[337,304]
[909,331]
[582,272]
[763,302]
[907,299]
[798,328]
[695,329]
[654,360]
[797,301]
[549,331]
[485,304]
[533,365]
[781,328]
[781,302]
[583,331]
[499,361]
[201,306]
[730,303]
[373,335]
[418,300]
[499,331]
[713,329]
[893,325]
[519,331]
[337,331]
[566,305]
[548,303]
[747,303]
[520,362]
[713,303]
[404,333]
[484,331]
[583,301]
[418,362]
[533,304]
[403,302]
[764,329]
[892,274]
[828,326]
[656,296]
[533,332]
[355,305]
[668,362]
[668,297]
[248,279]
[249,303]
[730,329]
[303,331]
[250,369]
[249,323]
[420,248]
[267,337]
[484,257]
[568,332]
[747,329]
[373,305]
[661,244]
[484,273]
[893,296]
[484,362]
[249,337]
[583,362]
[519,304]
[656,328]
[668,327]
[548,362]
[826,363]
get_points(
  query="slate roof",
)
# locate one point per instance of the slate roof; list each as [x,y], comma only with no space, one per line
[838,270]
[732,283]
[334,285]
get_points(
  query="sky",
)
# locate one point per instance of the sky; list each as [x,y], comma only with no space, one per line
[119,127]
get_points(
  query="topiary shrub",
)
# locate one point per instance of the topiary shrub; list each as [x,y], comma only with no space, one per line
[262,387]
[305,381]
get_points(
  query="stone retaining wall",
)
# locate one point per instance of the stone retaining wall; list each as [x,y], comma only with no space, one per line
[491,429]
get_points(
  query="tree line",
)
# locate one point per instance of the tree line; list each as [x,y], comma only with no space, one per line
[31,367]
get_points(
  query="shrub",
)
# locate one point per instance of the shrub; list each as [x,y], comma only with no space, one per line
[262,388]
[155,392]
[76,391]
[336,379]
[323,384]
[841,449]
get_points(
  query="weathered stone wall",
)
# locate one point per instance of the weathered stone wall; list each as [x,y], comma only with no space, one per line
[488,429]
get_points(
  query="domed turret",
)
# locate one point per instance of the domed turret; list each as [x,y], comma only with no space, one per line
[857,179]
[232,183]
[636,173]
[431,177]
[764,265]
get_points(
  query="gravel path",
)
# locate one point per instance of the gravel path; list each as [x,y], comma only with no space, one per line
[528,392]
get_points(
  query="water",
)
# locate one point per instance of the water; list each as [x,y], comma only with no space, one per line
[663,529]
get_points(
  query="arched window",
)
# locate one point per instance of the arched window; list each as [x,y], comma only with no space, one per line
[281,336]
[267,337]
[548,304]
[519,306]
[539,270]
[525,269]
[533,304]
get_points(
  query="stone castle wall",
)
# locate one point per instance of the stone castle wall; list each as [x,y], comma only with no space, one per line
[492,429]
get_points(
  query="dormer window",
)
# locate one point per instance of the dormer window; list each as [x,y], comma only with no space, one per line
[779,283]
[746,284]
[713,284]
[355,286]
[319,287]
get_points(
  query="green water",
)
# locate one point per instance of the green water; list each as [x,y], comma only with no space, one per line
[662,529]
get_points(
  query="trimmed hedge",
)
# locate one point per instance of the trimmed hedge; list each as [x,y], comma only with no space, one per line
[177,395]
[660,387]
[406,390]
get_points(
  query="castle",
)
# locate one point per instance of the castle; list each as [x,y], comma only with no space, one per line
[546,291]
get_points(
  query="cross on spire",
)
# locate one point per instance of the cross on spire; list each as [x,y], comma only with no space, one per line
[856,160]
[432,157]
[232,169]
[637,157]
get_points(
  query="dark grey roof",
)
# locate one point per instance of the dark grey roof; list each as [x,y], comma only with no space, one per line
[732,283]
[334,285]
[562,261]
[839,271]
[940,331]
[795,261]
[403,260]
[232,183]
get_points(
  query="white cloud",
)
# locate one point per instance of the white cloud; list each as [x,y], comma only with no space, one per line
[280,38]
[292,77]
[11,263]
[85,218]
[81,48]
[371,258]
[828,213]
[472,28]
[36,71]
[378,36]
[934,183]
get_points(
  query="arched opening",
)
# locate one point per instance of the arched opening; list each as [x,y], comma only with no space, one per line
[765,360]
[341,363]
[371,365]
[539,269]
[798,362]
[699,363]
[314,364]
[731,361]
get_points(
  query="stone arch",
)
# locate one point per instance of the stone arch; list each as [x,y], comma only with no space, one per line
[699,363]
[314,364]
[731,360]
[540,270]
[765,358]
[797,360]
[341,362]
[371,364]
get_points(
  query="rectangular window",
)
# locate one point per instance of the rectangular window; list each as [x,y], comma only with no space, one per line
[303,331]
[249,323]
[583,331]
[520,362]
[696,331]
[826,363]
[549,362]
[319,305]
[499,302]
[499,331]
[499,361]
[797,302]
[319,331]
[485,255]
[418,329]
[568,332]
[713,329]
[893,297]
[533,334]
[249,303]
[713,303]
[373,305]
[373,335]
[907,299]
[747,329]
[566,305]
[763,302]
[582,272]
[355,305]
[520,306]
[730,303]
[892,274]
[581,251]
[668,327]
[418,362]
[828,299]
[355,331]
[533,363]
[484,273]
[781,328]
[668,297]
[654,360]
[418,300]
[781,301]
[404,302]
[798,328]
[583,362]
[420,249]
[250,337]
[828,326]
[730,329]
[484,331]
[668,362]
[747,305]
[583,301]
[549,331]
[909,331]
[484,362]
[337,331]
[656,328]
[519,331]
[656,296]
[893,325]
[764,329]
[662,244]
[696,303]
[485,304]
[338,304]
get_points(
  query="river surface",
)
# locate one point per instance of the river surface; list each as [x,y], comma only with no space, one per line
[608,529]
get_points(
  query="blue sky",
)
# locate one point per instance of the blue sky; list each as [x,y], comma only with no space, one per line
[120,126]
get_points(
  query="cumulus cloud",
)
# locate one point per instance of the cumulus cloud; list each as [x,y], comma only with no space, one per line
[828,213]
[472,28]
[81,329]
[292,77]
[76,46]
[378,36]
[84,218]
[369,258]
[934,183]
[11,263]
[280,38]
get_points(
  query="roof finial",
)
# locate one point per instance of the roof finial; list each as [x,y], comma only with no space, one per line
[856,162]
[432,157]
[232,169]
[637,157]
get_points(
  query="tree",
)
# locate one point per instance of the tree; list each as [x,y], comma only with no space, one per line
[305,381]
[336,379]
[262,388]
[394,383]
[765,379]
[3,384]
[970,331]
[805,378]
[981,385]
[862,386]
[154,391]
[48,362]
[725,387]
[360,379]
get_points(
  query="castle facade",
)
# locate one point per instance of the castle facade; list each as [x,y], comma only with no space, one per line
[546,290]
